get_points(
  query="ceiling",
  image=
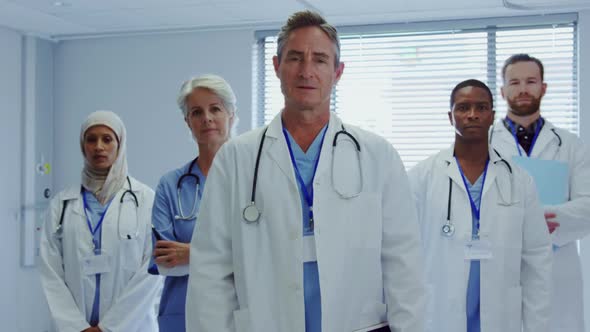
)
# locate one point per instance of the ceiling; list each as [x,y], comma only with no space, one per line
[72,19]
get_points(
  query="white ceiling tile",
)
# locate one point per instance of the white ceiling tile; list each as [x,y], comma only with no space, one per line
[80,17]
[110,21]
[189,16]
[36,23]
[76,6]
[355,7]
[264,11]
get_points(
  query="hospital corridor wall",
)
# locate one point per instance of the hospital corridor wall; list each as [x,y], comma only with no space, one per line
[56,85]
[26,130]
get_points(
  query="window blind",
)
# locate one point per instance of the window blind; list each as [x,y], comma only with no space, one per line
[398,83]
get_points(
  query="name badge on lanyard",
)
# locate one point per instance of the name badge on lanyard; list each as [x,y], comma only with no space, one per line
[309,253]
[478,248]
[96,264]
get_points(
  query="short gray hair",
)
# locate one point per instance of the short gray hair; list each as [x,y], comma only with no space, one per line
[304,19]
[218,86]
[215,84]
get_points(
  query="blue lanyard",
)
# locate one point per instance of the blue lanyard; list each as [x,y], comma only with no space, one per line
[307,193]
[98,225]
[475,210]
[513,132]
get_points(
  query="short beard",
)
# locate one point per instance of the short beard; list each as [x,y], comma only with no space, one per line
[524,110]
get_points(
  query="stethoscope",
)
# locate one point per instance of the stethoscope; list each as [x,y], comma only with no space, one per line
[448,229]
[513,133]
[252,213]
[59,228]
[189,174]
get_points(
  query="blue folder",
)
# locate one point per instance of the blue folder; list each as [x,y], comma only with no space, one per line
[551,178]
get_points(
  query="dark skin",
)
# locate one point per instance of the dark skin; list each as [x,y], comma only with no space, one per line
[471,116]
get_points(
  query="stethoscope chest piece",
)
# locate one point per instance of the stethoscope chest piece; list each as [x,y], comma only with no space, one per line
[448,230]
[251,213]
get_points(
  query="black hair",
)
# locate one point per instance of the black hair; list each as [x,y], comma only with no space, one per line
[474,83]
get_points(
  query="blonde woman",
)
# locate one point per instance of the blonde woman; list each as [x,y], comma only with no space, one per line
[208,105]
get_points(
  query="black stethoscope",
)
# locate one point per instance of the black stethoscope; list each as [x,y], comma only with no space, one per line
[448,229]
[252,213]
[189,174]
[129,191]
[514,135]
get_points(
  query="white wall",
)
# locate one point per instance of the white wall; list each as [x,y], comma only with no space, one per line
[10,105]
[584,95]
[138,78]
[20,287]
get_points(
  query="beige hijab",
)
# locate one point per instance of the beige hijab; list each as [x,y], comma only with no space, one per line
[105,184]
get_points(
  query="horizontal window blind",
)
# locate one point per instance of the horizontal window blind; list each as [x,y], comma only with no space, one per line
[397,84]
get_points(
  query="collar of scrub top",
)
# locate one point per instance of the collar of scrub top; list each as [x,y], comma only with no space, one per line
[513,126]
[307,193]
[275,149]
[475,210]
[499,172]
[89,223]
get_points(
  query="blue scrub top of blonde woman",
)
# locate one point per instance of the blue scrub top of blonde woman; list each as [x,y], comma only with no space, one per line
[169,228]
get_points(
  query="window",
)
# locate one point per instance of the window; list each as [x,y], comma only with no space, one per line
[398,78]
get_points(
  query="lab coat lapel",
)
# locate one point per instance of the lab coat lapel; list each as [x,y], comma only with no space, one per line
[278,151]
[492,172]
[545,137]
[452,167]
[74,197]
[501,134]
[455,175]
[324,165]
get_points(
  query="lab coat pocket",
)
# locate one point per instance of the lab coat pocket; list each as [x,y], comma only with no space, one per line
[363,217]
[513,309]
[128,223]
[509,220]
[372,314]
[242,320]
[130,252]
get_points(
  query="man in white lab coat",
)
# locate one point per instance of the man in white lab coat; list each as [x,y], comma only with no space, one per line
[487,249]
[307,224]
[524,132]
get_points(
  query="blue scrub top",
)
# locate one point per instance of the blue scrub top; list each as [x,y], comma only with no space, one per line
[94,213]
[311,281]
[473,284]
[172,302]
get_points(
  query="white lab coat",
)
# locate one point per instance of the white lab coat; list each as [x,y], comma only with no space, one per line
[249,277]
[127,293]
[515,283]
[574,218]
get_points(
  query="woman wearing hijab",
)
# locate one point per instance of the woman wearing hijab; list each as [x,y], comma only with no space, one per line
[96,244]
[208,105]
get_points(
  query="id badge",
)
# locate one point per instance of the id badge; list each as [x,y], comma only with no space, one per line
[96,264]
[478,249]
[309,253]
